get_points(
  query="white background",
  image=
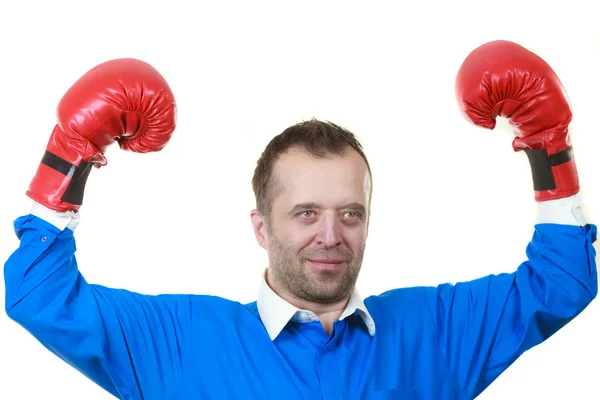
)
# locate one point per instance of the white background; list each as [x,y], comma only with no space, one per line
[451,201]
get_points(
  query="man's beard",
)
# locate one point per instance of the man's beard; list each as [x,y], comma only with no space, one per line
[294,274]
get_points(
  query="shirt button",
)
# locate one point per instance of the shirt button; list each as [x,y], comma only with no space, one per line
[44,239]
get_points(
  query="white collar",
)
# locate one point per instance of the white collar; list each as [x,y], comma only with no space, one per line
[275,312]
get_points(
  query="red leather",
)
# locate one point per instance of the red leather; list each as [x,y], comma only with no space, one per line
[125,101]
[503,79]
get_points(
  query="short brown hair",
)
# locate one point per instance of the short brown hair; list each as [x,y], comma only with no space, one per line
[319,138]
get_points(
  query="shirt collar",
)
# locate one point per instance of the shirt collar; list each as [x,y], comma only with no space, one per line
[275,312]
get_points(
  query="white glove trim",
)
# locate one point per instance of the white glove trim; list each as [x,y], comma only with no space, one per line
[565,211]
[61,220]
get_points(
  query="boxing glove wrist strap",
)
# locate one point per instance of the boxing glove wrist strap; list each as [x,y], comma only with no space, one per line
[541,166]
[78,176]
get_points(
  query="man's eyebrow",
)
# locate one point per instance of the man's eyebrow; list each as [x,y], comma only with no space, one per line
[352,206]
[356,206]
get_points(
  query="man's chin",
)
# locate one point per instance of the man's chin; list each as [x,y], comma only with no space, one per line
[327,291]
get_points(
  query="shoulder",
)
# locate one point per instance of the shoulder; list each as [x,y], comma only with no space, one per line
[179,303]
[404,300]
[399,296]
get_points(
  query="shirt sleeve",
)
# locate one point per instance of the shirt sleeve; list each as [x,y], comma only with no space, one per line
[484,325]
[128,343]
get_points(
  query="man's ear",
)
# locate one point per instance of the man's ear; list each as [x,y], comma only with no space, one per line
[258,224]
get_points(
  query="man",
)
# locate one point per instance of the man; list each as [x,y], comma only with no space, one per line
[309,335]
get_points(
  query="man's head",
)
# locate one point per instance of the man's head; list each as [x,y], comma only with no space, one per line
[313,191]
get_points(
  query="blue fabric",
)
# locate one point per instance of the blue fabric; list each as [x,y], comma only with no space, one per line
[444,342]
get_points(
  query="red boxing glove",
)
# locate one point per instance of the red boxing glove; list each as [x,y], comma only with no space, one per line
[123,100]
[501,78]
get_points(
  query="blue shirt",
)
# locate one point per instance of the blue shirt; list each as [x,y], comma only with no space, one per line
[444,342]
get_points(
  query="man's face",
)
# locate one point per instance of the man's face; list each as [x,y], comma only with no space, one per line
[318,226]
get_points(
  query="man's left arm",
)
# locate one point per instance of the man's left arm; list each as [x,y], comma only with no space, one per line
[484,325]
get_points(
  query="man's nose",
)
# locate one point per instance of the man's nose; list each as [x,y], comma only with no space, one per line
[330,232]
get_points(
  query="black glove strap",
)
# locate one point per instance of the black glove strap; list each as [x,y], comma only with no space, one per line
[78,175]
[541,166]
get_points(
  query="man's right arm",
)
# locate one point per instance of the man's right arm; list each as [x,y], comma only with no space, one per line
[128,343]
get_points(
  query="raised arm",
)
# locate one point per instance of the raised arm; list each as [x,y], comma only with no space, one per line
[128,343]
[485,325]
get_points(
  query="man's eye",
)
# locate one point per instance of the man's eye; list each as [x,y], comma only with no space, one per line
[303,213]
[353,214]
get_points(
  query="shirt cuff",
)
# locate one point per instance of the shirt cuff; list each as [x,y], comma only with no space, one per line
[61,220]
[565,211]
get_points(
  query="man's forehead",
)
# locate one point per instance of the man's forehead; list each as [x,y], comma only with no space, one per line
[298,172]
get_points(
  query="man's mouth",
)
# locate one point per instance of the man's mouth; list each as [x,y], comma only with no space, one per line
[327,264]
